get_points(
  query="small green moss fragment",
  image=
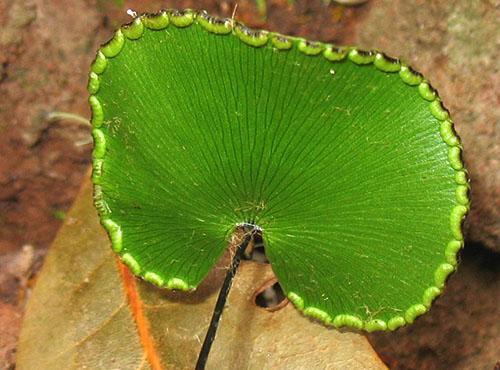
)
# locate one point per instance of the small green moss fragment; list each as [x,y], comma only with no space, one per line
[386,64]
[457,215]
[59,214]
[156,21]
[426,91]
[455,157]
[255,38]
[451,251]
[99,144]
[438,110]
[396,322]
[178,284]
[448,133]
[409,76]
[429,295]
[348,320]
[99,64]
[374,325]
[154,278]
[215,25]
[296,300]
[462,194]
[310,48]
[317,314]
[97,112]
[93,84]
[281,42]
[113,46]
[133,30]
[115,234]
[361,57]
[335,54]
[131,263]
[442,273]
[182,18]
[414,311]
[461,177]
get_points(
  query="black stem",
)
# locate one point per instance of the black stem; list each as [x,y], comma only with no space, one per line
[221,302]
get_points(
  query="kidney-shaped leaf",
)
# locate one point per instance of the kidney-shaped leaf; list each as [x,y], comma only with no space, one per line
[345,159]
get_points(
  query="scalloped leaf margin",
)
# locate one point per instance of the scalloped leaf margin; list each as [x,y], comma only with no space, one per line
[259,38]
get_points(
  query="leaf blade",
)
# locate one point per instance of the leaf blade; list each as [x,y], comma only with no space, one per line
[352,152]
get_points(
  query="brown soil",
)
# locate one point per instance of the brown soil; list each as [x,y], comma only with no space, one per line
[46,47]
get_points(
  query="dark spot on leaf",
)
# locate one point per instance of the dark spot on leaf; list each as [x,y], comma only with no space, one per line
[271,297]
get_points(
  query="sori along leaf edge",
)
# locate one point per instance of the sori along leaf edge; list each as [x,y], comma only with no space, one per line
[258,38]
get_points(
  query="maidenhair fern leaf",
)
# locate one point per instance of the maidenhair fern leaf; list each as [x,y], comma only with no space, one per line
[345,160]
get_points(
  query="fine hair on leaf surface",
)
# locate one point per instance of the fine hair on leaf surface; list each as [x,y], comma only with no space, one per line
[345,159]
